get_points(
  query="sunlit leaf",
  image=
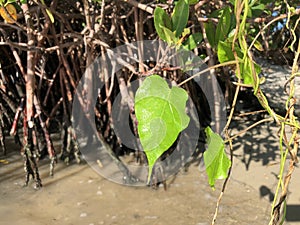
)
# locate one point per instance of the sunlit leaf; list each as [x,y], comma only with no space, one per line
[161,116]
[248,73]
[11,15]
[216,161]
[258,46]
[186,32]
[225,52]
[169,36]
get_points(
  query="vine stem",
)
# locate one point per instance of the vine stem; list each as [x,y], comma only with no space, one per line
[144,7]
[275,215]
[270,119]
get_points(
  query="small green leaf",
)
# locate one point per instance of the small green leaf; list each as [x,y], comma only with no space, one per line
[231,34]
[293,10]
[161,116]
[256,10]
[216,13]
[180,16]
[216,161]
[247,72]
[193,41]
[169,36]
[225,52]
[258,46]
[210,30]
[161,19]
[186,32]
[223,25]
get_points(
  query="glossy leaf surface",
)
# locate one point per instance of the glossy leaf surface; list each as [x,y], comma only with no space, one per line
[161,116]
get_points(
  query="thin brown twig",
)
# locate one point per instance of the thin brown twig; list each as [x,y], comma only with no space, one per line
[251,113]
[207,70]
[269,119]
[144,7]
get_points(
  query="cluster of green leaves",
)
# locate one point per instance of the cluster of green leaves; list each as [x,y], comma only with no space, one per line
[161,112]
[172,29]
[230,43]
[222,42]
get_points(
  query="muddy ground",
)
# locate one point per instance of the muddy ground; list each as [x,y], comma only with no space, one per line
[78,195]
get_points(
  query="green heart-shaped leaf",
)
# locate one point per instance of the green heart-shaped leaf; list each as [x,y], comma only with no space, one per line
[161,116]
